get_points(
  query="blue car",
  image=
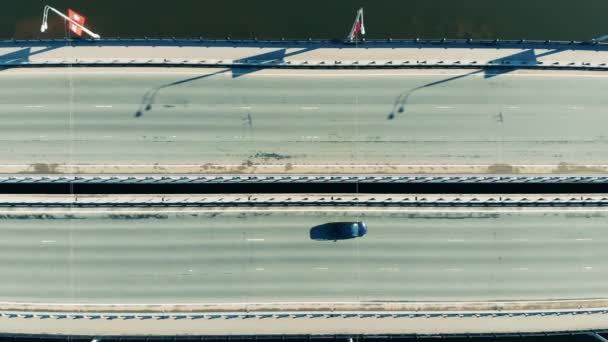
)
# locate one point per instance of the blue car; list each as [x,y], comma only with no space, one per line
[338,231]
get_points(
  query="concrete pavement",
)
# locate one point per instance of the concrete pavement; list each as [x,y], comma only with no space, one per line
[90,261]
[222,256]
[201,121]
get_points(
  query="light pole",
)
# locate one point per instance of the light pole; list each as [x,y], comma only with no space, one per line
[46,15]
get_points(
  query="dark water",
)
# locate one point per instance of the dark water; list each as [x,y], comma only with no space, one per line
[509,19]
[303,188]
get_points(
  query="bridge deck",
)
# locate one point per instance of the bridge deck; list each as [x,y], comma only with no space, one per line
[265,255]
[197,121]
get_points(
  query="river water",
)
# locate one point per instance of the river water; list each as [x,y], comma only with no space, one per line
[512,19]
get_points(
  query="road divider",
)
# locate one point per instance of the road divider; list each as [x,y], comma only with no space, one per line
[302,200]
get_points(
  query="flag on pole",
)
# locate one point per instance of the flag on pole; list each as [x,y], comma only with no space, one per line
[358,26]
[75,17]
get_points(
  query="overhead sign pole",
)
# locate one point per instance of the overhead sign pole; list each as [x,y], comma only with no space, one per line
[358,26]
[70,20]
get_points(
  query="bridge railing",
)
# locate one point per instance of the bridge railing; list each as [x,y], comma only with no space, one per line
[298,315]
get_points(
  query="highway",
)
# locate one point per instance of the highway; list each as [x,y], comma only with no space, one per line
[265,255]
[192,121]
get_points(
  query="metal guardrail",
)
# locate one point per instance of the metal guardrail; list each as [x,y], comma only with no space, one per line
[302,179]
[336,42]
[300,200]
[300,315]
[479,337]
[316,64]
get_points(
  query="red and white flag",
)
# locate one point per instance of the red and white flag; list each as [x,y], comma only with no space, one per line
[75,17]
[358,26]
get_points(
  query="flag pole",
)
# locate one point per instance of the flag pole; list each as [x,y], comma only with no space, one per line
[358,27]
[45,25]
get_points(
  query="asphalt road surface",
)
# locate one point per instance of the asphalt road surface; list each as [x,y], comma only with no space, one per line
[263,256]
[125,120]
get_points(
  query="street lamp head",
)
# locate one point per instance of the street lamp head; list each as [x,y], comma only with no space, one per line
[72,22]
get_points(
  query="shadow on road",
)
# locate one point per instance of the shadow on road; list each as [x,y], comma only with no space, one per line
[267,59]
[150,96]
[528,56]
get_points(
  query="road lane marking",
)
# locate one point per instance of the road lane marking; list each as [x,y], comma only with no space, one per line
[255,240]
[520,269]
[444,107]
[587,268]
[389,269]
[34,106]
[583,239]
[455,240]
[259,269]
[513,107]
[48,241]
[244,107]
[309,108]
[103,106]
[320,268]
